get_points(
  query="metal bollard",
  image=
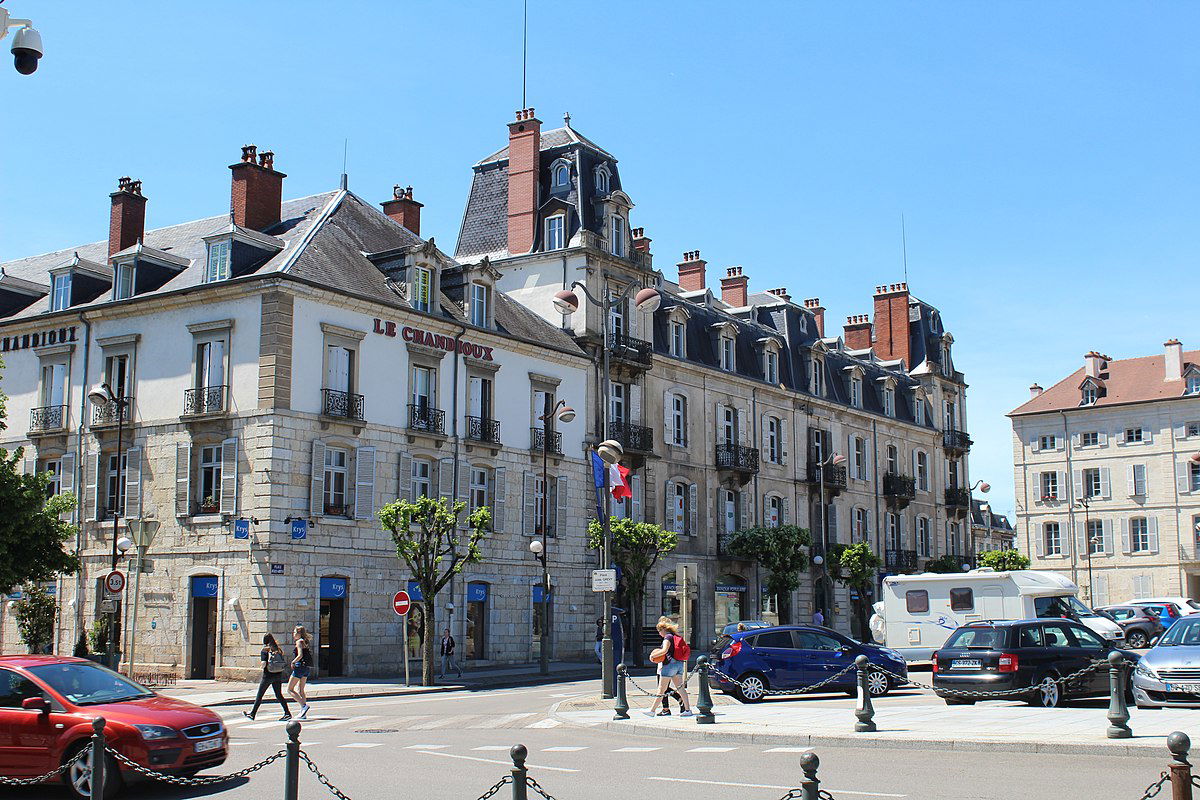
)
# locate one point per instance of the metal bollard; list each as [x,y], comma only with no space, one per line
[98,759]
[1118,711]
[811,788]
[291,762]
[622,706]
[863,710]
[520,775]
[704,703]
[1181,769]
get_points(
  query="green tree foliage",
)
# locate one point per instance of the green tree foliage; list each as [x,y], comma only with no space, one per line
[636,548]
[945,564]
[780,551]
[1003,560]
[856,567]
[35,612]
[429,541]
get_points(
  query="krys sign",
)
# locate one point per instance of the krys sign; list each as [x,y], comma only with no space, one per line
[435,340]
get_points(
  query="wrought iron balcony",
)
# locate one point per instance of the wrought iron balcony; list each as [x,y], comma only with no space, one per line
[47,418]
[632,437]
[539,439]
[835,475]
[737,457]
[204,400]
[956,441]
[426,418]
[108,413]
[899,489]
[958,497]
[624,347]
[900,560]
[342,404]
[482,429]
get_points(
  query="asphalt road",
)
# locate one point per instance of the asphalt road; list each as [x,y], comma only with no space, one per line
[455,746]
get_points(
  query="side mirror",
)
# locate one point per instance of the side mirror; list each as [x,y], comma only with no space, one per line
[38,704]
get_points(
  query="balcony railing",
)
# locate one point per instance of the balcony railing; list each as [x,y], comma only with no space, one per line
[108,413]
[632,437]
[835,475]
[958,441]
[958,497]
[627,348]
[737,457]
[900,560]
[204,400]
[47,418]
[342,404]
[426,418]
[538,440]
[899,487]
[482,429]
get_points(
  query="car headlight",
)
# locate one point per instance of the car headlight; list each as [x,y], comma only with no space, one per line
[1145,670]
[154,732]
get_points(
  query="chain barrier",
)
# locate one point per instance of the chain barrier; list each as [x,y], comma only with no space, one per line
[824,795]
[1195,782]
[984,694]
[802,690]
[54,773]
[507,779]
[532,784]
[798,794]
[1156,787]
[312,767]
[635,685]
[179,780]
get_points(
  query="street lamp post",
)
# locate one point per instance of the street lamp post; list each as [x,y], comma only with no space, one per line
[143,532]
[551,413]
[567,302]
[103,395]
[984,487]
[1087,537]
[833,460]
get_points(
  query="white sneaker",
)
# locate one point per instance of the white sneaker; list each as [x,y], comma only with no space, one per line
[687,713]
[304,712]
[650,713]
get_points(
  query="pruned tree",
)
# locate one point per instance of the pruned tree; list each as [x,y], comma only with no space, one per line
[429,541]
[35,611]
[1003,560]
[856,566]
[636,548]
[780,551]
[945,564]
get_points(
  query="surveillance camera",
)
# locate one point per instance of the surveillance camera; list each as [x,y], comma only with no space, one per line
[27,50]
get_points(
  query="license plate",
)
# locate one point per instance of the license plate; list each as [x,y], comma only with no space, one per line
[208,744]
[1193,688]
[966,663]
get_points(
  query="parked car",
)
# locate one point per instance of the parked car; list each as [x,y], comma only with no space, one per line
[1033,653]
[47,704]
[1141,626]
[1186,605]
[793,656]
[1166,612]
[1168,674]
[748,624]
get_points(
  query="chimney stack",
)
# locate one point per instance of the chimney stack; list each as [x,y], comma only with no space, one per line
[891,323]
[691,272]
[1034,391]
[1173,360]
[641,242]
[524,158]
[257,193]
[782,293]
[857,332]
[1092,363]
[733,287]
[813,304]
[127,219]
[403,209]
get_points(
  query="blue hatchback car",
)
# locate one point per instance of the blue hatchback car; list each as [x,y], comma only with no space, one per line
[794,656]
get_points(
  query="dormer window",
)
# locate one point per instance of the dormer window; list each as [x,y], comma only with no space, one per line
[479,305]
[218,261]
[771,366]
[889,401]
[678,338]
[602,182]
[947,369]
[816,376]
[123,286]
[1088,395]
[919,410]
[617,235]
[60,292]
[422,288]
[1192,383]
[555,226]
[728,360]
[560,176]
[856,386]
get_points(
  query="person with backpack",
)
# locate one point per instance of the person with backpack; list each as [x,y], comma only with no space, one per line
[672,658]
[274,665]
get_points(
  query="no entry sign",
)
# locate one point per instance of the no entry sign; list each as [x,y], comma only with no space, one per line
[114,582]
[401,603]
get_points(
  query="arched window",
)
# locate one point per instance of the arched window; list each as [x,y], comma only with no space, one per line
[601,181]
[561,176]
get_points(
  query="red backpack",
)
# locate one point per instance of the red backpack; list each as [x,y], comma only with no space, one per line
[679,649]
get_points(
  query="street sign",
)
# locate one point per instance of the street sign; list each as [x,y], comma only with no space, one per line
[604,580]
[277,569]
[114,582]
[401,603]
[108,606]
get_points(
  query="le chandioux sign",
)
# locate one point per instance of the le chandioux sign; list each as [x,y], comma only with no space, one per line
[438,341]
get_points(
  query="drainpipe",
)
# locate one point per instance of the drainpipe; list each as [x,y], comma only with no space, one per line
[758,511]
[1071,538]
[457,445]
[878,516]
[79,472]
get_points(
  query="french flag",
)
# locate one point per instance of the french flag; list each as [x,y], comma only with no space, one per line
[618,481]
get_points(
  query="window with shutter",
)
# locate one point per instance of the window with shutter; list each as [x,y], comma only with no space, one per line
[693,509]
[404,477]
[500,494]
[446,478]
[92,478]
[364,482]
[183,479]
[316,499]
[133,483]
[229,476]
[67,480]
[561,499]
[528,506]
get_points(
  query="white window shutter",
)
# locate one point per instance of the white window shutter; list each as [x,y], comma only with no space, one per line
[1099,590]
[1036,477]
[1075,440]
[364,483]
[560,505]
[91,478]
[741,425]
[833,527]
[1181,431]
[229,476]
[718,432]
[1126,548]
[1105,483]
[499,493]
[766,436]
[316,498]
[851,468]
[1036,444]
[1106,528]
[1183,483]
[446,478]
[66,476]
[744,509]
[528,506]
[783,442]
[693,511]
[1132,482]
[464,485]
[29,462]
[404,478]
[669,505]
[183,479]
[914,464]
[1102,438]
[1081,538]
[1147,436]
[786,504]
[1078,480]
[635,403]
[668,417]
[1039,543]
[133,483]
[1061,485]
[635,500]
[1152,530]
[1121,436]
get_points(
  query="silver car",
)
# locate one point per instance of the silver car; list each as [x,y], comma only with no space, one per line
[1168,674]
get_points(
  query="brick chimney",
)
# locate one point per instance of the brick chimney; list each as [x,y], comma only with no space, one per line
[641,242]
[1034,391]
[403,209]
[691,272]
[733,287]
[1173,360]
[257,194]
[524,155]
[813,304]
[127,219]
[857,332]
[891,323]
[1092,362]
[782,293]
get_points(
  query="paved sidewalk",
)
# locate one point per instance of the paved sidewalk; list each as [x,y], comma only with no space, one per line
[221,693]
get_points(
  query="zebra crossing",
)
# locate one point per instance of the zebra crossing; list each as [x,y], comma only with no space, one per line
[242,728]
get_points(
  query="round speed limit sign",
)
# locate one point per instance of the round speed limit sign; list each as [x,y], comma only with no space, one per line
[114,582]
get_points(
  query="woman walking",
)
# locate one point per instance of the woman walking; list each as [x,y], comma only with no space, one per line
[301,667]
[447,650]
[671,656]
[274,663]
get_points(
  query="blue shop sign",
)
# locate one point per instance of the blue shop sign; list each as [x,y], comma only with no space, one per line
[204,586]
[477,592]
[730,587]
[539,593]
[333,588]
[241,529]
[299,528]
[414,592]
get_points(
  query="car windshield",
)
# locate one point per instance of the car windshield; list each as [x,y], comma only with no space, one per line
[89,684]
[1185,632]
[1065,606]
[1194,604]
[976,637]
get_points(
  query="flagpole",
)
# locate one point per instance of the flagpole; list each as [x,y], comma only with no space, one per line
[608,672]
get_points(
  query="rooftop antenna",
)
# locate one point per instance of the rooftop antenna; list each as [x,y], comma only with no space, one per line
[904,247]
[345,154]
[524,51]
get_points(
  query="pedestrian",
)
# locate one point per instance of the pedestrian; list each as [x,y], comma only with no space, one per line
[274,665]
[447,651]
[818,617]
[301,667]
[600,639]
[671,657]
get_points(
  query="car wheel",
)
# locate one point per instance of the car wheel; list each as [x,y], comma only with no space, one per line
[1136,640]
[878,684]
[1047,693]
[753,688]
[78,777]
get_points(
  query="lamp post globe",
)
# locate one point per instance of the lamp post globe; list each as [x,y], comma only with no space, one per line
[535,547]
[647,300]
[566,301]
[124,544]
[566,414]
[985,487]
[101,395]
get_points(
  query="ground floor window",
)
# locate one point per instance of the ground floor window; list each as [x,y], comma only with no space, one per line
[727,596]
[475,646]
[542,614]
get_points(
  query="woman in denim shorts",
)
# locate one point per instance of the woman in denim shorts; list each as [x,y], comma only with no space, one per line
[670,671]
[301,668]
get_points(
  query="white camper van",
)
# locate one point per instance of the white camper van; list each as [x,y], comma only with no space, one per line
[917,613]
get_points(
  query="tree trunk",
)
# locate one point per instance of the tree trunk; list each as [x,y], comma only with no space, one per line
[860,607]
[785,609]
[636,616]
[427,655]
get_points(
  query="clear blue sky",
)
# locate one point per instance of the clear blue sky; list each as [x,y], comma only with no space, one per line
[1043,154]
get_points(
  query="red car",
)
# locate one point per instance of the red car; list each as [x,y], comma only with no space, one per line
[47,704]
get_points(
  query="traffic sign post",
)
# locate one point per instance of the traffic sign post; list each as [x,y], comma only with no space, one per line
[401,603]
[604,580]
[114,582]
